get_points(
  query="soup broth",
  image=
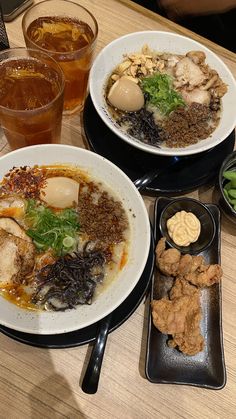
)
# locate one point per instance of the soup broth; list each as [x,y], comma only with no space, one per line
[165,99]
[61,255]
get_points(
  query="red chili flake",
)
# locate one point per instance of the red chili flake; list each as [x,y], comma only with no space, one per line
[26,181]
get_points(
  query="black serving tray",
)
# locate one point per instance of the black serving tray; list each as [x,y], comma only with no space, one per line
[194,171]
[169,366]
[89,334]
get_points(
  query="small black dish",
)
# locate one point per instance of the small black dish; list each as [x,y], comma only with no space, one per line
[166,365]
[228,164]
[201,211]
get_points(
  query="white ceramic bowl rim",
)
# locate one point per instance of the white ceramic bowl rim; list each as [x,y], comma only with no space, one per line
[112,54]
[98,167]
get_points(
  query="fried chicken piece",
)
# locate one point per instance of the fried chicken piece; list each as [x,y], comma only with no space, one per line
[181,314]
[182,288]
[190,341]
[194,269]
[167,260]
[160,248]
[191,268]
[188,344]
[180,317]
[189,264]
[205,275]
[169,316]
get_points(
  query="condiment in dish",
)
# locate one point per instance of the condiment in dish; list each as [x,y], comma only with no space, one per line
[204,217]
[184,228]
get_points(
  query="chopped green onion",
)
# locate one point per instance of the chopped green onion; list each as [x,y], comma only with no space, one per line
[160,92]
[52,230]
[68,241]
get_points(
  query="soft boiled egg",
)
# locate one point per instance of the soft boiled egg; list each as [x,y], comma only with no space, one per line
[126,95]
[60,192]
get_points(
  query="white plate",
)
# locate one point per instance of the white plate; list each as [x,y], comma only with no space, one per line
[60,322]
[113,54]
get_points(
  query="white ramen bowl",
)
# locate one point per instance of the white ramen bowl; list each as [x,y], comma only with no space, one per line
[43,322]
[113,54]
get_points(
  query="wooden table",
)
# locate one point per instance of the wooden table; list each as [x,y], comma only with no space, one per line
[41,383]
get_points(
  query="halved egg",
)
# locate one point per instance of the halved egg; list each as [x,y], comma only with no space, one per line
[60,192]
[126,95]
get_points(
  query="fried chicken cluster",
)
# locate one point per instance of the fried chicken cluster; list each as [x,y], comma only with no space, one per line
[179,314]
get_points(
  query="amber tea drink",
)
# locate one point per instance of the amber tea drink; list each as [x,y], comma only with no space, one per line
[31,97]
[68,32]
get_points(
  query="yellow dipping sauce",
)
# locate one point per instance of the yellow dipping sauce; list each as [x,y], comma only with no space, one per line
[184,228]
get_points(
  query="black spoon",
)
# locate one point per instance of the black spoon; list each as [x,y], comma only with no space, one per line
[92,373]
[142,182]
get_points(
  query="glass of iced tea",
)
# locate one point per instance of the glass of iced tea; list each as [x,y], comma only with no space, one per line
[68,32]
[31,97]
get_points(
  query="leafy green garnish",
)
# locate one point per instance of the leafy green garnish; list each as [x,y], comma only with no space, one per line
[160,92]
[52,230]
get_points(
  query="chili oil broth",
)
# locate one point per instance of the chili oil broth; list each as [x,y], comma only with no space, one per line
[118,253]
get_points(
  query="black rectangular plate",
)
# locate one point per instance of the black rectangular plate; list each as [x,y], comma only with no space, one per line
[167,365]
